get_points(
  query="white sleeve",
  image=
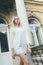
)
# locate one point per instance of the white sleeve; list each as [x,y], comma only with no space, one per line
[11,38]
[28,40]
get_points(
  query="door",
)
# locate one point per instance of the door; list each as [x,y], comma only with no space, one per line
[5,52]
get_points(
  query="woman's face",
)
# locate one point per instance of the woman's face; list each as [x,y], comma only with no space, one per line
[17,20]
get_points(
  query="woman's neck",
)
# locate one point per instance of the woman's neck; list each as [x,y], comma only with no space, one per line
[16,25]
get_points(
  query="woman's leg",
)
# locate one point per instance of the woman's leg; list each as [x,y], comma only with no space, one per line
[24,59]
[21,62]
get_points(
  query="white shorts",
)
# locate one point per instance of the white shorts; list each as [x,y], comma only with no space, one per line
[19,50]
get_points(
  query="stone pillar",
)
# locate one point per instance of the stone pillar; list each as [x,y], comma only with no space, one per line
[21,12]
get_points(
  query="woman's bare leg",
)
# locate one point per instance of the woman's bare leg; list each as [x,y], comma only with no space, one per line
[24,59]
[21,62]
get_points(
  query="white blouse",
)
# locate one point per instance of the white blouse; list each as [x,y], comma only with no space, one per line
[19,39]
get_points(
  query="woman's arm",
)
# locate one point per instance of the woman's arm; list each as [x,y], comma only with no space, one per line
[11,43]
[13,54]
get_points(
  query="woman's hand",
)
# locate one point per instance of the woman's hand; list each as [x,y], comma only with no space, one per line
[29,50]
[13,55]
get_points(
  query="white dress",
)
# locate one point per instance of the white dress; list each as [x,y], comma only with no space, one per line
[19,40]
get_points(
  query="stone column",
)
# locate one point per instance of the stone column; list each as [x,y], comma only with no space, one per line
[21,12]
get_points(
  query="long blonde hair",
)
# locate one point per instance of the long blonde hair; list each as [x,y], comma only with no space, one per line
[14,21]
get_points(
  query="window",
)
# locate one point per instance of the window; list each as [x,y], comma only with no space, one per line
[3,42]
[3,37]
[32,20]
[35,29]
[2,21]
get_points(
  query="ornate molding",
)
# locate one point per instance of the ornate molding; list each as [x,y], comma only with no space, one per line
[33,10]
[34,2]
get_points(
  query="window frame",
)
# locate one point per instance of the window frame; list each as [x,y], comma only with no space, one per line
[6,29]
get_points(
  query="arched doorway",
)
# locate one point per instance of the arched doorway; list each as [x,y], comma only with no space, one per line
[2,21]
[5,53]
[36,32]
[3,36]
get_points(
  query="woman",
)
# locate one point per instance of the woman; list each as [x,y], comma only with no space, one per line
[19,41]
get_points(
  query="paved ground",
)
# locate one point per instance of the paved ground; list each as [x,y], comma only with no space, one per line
[16,61]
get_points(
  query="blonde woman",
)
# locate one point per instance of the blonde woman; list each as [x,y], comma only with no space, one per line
[19,41]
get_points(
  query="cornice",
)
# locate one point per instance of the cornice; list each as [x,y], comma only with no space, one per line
[34,2]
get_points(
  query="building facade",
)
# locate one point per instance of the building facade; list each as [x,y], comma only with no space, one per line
[34,9]
[30,13]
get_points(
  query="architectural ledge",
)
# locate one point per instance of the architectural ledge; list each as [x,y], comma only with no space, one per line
[41,24]
[31,10]
[34,2]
